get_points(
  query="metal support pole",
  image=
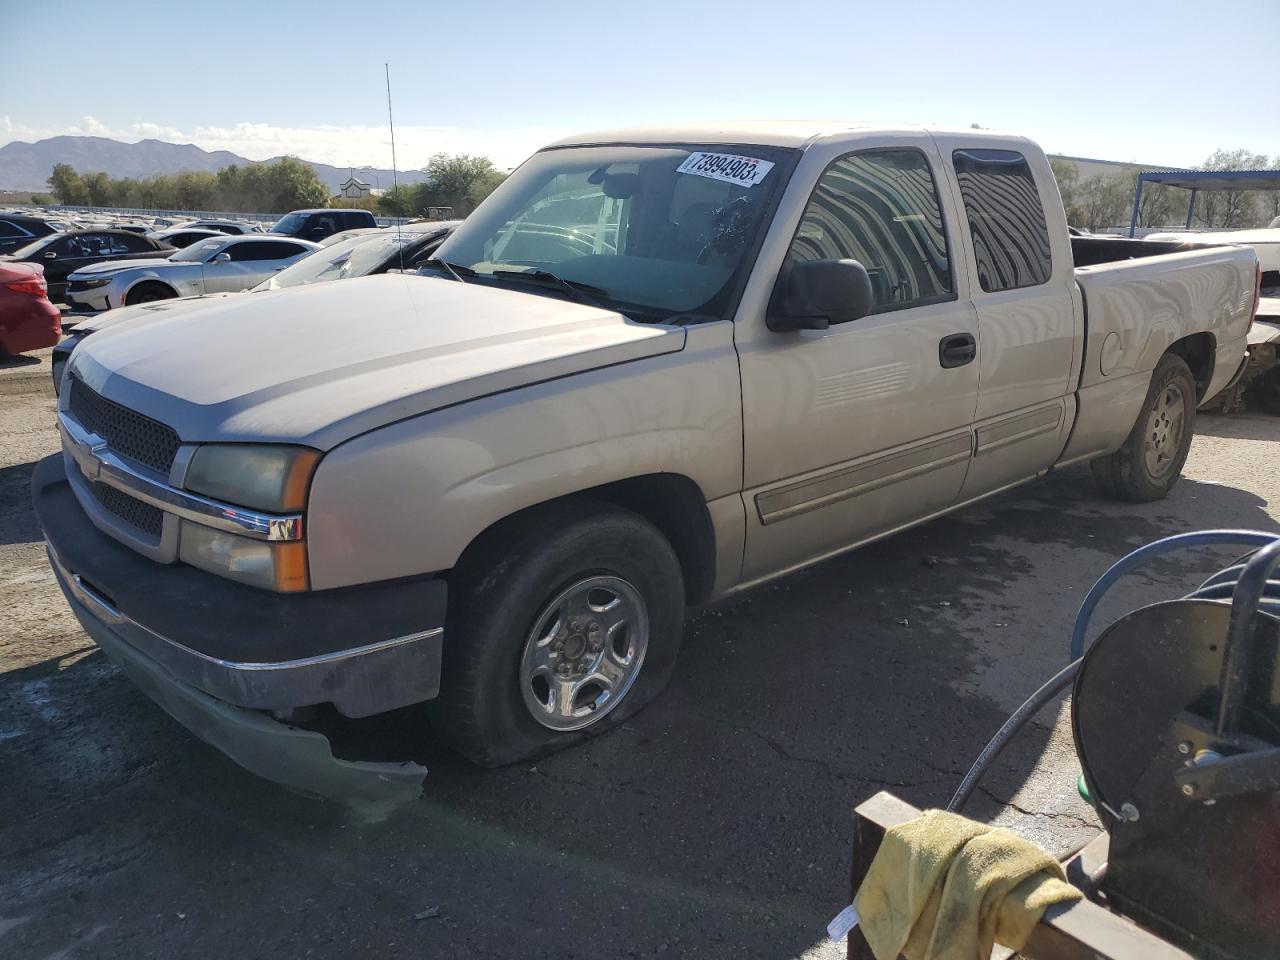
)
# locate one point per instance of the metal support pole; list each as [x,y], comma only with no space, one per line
[1191,208]
[1137,199]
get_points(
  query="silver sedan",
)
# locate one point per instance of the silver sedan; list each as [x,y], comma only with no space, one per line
[217,265]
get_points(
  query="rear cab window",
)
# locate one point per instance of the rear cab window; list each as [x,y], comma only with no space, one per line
[1006,218]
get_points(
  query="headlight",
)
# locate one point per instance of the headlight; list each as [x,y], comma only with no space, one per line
[272,566]
[260,476]
[89,284]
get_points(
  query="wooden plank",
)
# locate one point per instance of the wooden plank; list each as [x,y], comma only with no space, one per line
[1073,931]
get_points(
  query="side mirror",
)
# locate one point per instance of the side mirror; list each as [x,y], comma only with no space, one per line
[813,294]
[223,257]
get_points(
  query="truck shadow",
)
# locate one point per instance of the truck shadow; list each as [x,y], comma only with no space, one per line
[714,823]
[17,520]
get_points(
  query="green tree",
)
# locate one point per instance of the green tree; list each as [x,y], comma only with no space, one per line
[1104,201]
[1227,209]
[67,185]
[457,180]
[292,184]
[41,199]
[1068,176]
[97,187]
[398,202]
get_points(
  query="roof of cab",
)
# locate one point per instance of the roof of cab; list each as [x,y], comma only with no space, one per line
[769,133]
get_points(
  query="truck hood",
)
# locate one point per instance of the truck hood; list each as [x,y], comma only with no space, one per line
[111,318]
[109,267]
[320,364]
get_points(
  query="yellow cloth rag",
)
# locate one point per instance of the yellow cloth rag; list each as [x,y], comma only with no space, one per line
[943,887]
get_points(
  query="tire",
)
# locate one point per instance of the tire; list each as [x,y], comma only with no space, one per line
[1151,460]
[148,292]
[526,578]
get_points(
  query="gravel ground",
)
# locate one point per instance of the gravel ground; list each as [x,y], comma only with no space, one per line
[714,824]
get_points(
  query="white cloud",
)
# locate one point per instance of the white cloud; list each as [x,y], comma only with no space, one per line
[340,146]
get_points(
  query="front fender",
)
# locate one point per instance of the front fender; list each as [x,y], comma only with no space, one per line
[410,497]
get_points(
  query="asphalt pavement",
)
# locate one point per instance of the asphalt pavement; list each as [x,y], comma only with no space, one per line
[716,823]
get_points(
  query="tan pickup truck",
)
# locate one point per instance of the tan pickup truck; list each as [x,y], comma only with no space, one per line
[655,368]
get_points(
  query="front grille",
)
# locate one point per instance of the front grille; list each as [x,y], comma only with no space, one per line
[134,512]
[130,434]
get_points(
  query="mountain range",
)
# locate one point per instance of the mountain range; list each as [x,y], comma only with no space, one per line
[26,166]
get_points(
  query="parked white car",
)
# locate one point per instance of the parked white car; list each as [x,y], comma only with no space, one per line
[218,265]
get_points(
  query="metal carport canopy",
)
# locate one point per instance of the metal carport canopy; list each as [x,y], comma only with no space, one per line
[1197,180]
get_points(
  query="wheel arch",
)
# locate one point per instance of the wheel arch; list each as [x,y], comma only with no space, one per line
[142,282]
[672,502]
[1198,351]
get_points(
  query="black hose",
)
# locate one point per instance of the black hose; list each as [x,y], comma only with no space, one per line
[995,746]
[1261,592]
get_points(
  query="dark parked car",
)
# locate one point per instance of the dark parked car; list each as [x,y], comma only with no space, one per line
[315,225]
[233,227]
[63,253]
[183,237]
[17,230]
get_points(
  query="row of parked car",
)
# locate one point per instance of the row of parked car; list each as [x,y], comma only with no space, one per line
[93,271]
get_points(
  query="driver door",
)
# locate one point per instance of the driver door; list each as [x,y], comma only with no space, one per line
[856,430]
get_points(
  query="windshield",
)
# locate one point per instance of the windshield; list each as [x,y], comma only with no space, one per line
[198,251]
[289,223]
[353,257]
[652,231]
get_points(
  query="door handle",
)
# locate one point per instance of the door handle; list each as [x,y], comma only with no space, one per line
[957,349]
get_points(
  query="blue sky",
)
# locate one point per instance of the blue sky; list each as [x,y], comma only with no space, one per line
[1151,82]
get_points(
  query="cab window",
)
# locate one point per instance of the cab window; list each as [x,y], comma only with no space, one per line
[1006,219]
[881,208]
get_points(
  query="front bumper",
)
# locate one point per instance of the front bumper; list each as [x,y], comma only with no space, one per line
[295,758]
[88,302]
[211,651]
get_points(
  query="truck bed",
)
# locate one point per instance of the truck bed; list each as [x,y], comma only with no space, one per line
[1141,297]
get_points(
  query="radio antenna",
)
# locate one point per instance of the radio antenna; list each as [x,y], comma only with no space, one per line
[395,179]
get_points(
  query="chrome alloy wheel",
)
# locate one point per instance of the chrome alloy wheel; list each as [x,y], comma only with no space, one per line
[584,653]
[1165,422]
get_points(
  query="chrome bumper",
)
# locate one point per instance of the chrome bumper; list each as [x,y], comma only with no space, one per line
[359,682]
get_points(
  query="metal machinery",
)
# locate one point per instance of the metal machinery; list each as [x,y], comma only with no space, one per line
[1176,717]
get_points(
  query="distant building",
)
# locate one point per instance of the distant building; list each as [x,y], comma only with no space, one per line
[353,188]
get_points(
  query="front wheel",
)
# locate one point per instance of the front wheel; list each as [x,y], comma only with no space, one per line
[560,626]
[148,293]
[1151,460]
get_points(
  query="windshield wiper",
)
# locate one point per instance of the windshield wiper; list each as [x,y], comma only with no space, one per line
[582,292]
[456,270]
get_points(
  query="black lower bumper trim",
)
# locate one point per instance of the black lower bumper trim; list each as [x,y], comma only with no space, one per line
[299,759]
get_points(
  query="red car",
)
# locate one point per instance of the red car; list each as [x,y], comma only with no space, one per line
[28,321]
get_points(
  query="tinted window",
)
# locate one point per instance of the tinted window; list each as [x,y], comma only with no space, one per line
[263,250]
[8,229]
[202,251]
[1006,219]
[137,244]
[881,208]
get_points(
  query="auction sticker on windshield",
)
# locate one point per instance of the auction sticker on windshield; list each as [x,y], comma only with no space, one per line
[744,171]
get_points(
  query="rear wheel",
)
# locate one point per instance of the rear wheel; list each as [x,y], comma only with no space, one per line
[1150,462]
[147,292]
[560,626]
